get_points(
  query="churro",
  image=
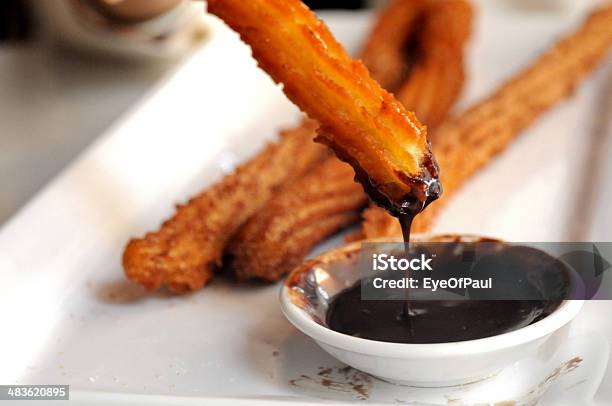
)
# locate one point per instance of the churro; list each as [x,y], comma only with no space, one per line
[314,206]
[364,124]
[252,256]
[437,75]
[145,259]
[183,253]
[467,143]
[386,52]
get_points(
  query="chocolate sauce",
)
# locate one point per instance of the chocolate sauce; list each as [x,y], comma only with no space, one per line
[424,190]
[431,321]
[429,190]
[443,320]
[406,223]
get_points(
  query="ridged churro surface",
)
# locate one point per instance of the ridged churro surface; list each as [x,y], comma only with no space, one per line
[150,261]
[252,256]
[437,74]
[364,124]
[182,254]
[386,51]
[308,210]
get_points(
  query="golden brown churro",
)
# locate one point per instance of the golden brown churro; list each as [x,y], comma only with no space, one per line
[385,53]
[437,77]
[364,124]
[183,253]
[143,261]
[467,143]
[307,210]
[252,255]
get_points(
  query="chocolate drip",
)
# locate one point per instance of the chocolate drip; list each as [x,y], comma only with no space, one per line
[423,189]
[406,223]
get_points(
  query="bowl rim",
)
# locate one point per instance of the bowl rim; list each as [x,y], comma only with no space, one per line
[562,315]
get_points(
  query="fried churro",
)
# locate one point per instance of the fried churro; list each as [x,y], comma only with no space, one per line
[385,52]
[364,124]
[307,210]
[182,254]
[144,261]
[252,256]
[466,144]
[437,75]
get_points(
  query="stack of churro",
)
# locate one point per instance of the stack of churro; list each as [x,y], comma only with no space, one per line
[267,240]
[185,251]
[272,242]
[276,207]
[314,206]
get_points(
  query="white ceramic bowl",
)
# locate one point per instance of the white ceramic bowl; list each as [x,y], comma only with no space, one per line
[423,365]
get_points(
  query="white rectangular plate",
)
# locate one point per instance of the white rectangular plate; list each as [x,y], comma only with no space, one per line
[70,317]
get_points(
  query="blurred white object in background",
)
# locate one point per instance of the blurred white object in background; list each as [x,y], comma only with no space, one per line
[551,6]
[55,101]
[526,6]
[130,28]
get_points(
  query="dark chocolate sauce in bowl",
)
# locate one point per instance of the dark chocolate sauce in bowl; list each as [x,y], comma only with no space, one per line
[445,320]
[431,321]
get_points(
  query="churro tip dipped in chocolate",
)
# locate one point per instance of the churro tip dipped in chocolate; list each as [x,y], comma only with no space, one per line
[364,124]
[406,32]
[185,251]
[468,142]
